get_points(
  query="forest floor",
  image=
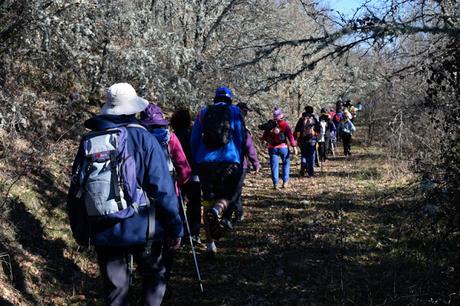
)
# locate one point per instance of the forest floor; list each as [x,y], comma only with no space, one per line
[334,239]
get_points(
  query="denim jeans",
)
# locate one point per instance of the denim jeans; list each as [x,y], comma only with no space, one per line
[275,155]
[307,161]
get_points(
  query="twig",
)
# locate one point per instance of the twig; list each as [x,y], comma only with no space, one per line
[7,193]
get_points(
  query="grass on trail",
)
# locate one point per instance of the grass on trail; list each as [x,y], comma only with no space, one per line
[339,238]
[328,240]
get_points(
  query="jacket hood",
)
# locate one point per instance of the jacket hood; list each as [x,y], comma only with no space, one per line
[162,135]
[102,122]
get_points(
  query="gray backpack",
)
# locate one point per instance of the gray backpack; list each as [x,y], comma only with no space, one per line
[109,190]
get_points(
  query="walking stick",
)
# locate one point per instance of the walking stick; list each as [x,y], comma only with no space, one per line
[191,243]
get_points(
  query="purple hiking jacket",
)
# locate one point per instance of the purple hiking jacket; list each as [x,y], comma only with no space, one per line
[250,153]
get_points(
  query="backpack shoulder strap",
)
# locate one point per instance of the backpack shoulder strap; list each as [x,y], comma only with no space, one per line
[135,125]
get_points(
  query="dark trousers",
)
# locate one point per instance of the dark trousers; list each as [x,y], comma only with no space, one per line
[346,140]
[113,265]
[192,191]
[236,205]
[308,152]
[323,148]
[219,180]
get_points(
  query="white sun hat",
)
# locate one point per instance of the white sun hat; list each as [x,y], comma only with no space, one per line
[122,100]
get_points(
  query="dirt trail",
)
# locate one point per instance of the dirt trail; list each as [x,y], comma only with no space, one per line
[321,241]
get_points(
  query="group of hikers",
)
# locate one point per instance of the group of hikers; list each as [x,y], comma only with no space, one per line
[316,136]
[135,169]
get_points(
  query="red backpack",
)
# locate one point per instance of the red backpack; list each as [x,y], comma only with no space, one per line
[277,135]
[308,130]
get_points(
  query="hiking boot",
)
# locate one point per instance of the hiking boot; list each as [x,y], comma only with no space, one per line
[215,228]
[211,248]
[226,224]
[285,185]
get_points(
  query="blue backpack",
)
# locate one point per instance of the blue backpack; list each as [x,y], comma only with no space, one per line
[109,190]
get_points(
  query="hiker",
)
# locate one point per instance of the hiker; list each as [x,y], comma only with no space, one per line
[307,130]
[155,122]
[181,122]
[337,120]
[120,184]
[339,104]
[217,150]
[250,156]
[327,130]
[331,113]
[277,137]
[346,130]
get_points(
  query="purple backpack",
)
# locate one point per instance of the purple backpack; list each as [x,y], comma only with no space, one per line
[107,177]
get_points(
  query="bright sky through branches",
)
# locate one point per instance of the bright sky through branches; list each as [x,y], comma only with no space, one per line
[346,7]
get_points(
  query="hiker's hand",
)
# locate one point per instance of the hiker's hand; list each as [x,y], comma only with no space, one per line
[174,243]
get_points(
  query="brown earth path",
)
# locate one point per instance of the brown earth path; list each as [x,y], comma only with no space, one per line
[321,241]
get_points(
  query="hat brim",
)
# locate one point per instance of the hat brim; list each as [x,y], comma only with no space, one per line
[136,106]
[155,122]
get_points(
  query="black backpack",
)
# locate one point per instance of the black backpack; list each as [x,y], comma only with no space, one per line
[217,126]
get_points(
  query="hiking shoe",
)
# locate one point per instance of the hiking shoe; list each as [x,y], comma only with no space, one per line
[240,217]
[285,185]
[211,248]
[215,227]
[226,223]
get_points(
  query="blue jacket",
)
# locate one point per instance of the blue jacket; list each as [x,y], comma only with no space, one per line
[348,127]
[231,152]
[152,175]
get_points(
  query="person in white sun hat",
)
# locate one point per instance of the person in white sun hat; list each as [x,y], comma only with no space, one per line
[120,179]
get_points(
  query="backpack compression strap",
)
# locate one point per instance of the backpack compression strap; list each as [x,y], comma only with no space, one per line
[115,178]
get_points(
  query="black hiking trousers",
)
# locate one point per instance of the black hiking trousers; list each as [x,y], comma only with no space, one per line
[192,191]
[219,180]
[236,204]
[323,149]
[113,264]
[346,140]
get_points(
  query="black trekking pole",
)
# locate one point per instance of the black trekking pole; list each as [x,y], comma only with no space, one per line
[191,242]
